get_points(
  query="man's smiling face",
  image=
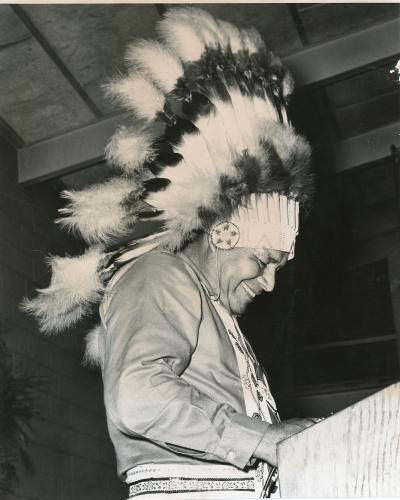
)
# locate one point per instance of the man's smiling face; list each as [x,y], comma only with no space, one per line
[247,272]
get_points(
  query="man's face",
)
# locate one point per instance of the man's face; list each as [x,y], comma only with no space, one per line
[246,272]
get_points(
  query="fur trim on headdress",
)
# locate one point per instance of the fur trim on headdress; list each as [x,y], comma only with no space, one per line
[94,351]
[75,286]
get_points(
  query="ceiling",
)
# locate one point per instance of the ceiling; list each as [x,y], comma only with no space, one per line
[54,59]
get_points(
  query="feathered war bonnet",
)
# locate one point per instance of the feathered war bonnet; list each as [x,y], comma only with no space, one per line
[227,160]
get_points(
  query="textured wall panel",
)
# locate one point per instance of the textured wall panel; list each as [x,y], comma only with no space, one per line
[11,28]
[91,39]
[36,100]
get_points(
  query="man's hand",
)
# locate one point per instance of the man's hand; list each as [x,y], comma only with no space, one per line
[275,433]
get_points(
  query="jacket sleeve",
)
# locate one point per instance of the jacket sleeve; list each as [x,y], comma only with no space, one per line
[152,320]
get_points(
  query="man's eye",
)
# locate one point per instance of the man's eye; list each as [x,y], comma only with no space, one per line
[260,263]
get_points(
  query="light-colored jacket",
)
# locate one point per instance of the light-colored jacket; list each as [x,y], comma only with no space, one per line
[172,388]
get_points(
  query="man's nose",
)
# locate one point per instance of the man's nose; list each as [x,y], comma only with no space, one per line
[267,279]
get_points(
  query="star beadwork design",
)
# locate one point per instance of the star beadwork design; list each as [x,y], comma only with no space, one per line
[225,235]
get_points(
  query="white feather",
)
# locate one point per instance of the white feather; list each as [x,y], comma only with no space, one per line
[286,141]
[74,287]
[204,24]
[208,20]
[221,149]
[130,148]
[94,351]
[252,41]
[264,109]
[227,116]
[246,118]
[137,93]
[157,62]
[96,213]
[288,84]
[233,35]
[194,183]
[181,37]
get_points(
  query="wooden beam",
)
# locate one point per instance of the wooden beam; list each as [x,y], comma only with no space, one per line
[66,153]
[366,148]
[10,134]
[85,147]
[327,61]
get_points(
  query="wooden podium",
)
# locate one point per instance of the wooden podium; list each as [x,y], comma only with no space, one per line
[355,453]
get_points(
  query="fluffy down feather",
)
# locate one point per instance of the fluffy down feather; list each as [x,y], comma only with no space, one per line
[233,34]
[182,37]
[94,351]
[74,287]
[287,84]
[286,141]
[82,214]
[137,93]
[205,25]
[130,148]
[294,154]
[157,62]
[252,41]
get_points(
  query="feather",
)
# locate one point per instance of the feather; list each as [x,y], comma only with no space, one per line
[181,126]
[287,84]
[292,153]
[264,109]
[194,182]
[94,351]
[181,37]
[233,35]
[74,288]
[221,149]
[156,184]
[82,214]
[137,93]
[232,131]
[156,62]
[205,25]
[130,149]
[198,105]
[252,41]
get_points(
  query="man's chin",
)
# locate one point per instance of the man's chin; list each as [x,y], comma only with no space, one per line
[239,308]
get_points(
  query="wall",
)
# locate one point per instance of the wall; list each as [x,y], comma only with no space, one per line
[71,451]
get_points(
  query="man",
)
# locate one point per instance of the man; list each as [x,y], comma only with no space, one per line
[188,406]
